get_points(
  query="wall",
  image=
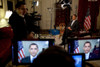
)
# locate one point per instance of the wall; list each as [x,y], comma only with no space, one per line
[3,21]
[2,10]
[42,9]
[48,17]
[74,6]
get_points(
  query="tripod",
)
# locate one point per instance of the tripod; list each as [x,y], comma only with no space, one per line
[50,10]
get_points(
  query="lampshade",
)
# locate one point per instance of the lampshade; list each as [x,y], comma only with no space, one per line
[8,14]
[3,23]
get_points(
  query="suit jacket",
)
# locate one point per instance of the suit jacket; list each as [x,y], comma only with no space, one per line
[18,25]
[75,25]
[68,32]
[92,56]
[26,60]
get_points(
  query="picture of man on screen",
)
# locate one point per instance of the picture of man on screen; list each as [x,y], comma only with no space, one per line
[87,48]
[33,50]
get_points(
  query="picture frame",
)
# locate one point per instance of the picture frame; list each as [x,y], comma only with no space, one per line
[1,3]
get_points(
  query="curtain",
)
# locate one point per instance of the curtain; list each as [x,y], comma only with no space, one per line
[82,9]
[99,3]
[94,11]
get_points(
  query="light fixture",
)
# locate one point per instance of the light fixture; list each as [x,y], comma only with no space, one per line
[35,3]
[8,14]
[3,23]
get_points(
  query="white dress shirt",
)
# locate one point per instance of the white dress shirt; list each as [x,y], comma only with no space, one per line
[32,58]
[72,22]
[87,56]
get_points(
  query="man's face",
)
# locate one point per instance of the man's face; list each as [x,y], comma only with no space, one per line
[22,9]
[73,17]
[33,50]
[87,47]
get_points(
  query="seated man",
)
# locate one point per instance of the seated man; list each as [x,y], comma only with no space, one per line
[72,27]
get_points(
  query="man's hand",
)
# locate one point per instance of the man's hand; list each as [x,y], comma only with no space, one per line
[69,28]
[30,35]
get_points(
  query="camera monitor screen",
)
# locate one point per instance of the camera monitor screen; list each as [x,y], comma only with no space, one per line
[89,46]
[26,51]
[79,59]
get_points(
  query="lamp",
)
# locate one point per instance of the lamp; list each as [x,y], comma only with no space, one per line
[8,14]
[35,3]
[3,23]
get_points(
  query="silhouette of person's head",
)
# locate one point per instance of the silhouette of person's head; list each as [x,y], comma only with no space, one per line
[54,56]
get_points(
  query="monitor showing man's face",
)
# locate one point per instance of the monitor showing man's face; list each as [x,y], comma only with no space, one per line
[89,46]
[28,50]
[33,50]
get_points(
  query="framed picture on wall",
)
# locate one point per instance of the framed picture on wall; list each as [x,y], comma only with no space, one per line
[1,3]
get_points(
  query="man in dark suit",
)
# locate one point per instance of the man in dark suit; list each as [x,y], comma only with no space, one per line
[87,47]
[18,23]
[72,27]
[33,50]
